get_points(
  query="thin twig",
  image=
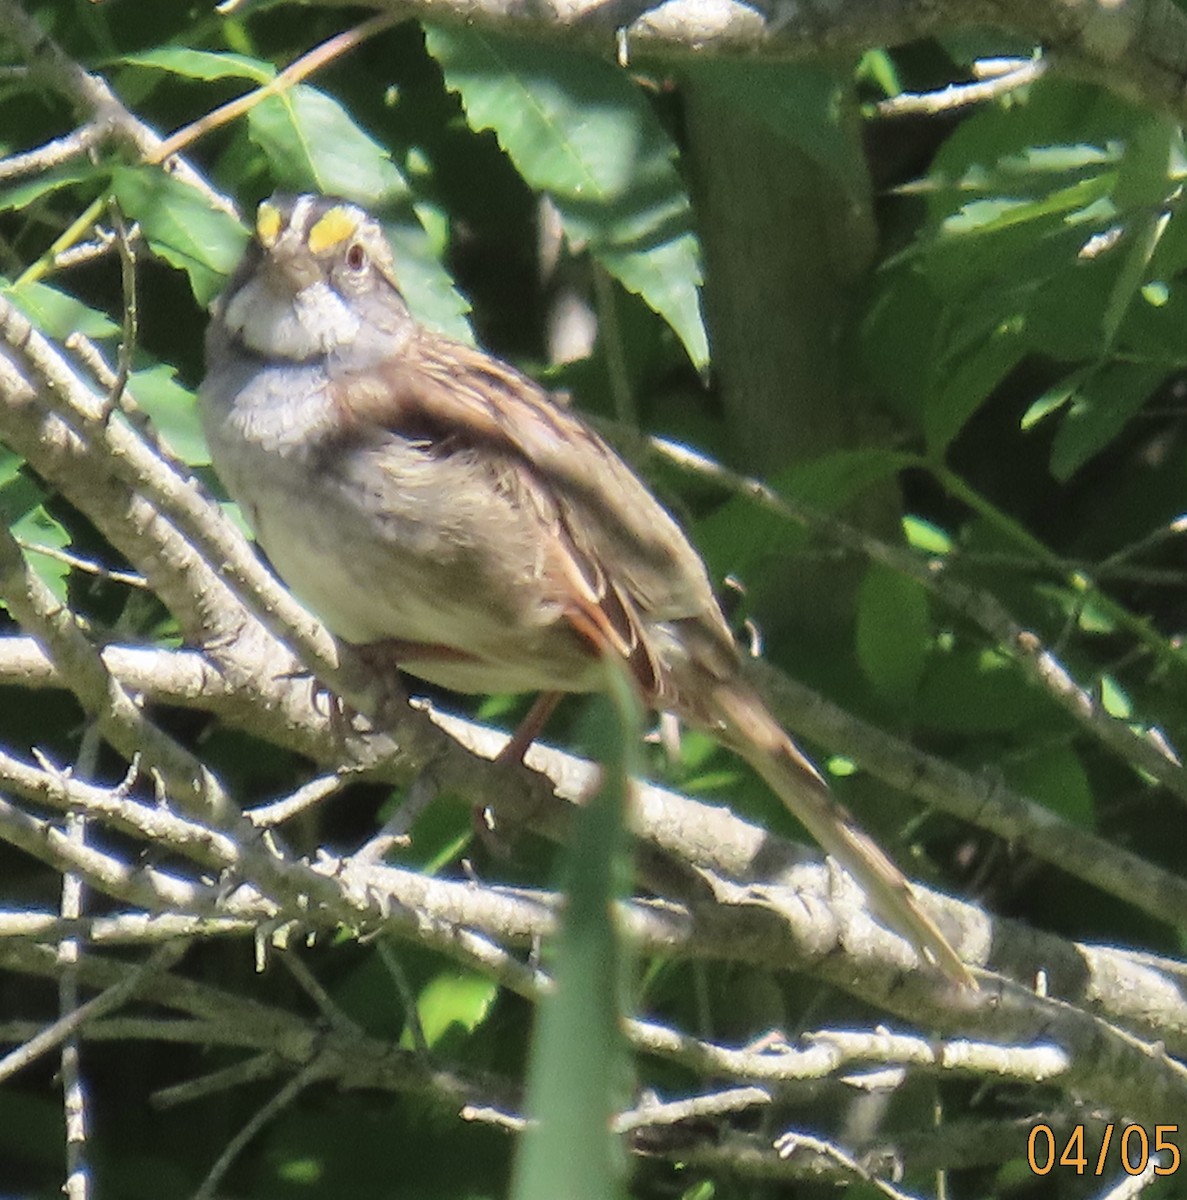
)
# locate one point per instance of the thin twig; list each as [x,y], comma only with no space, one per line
[302,67]
[74,1100]
[337,1019]
[161,959]
[269,816]
[86,565]
[54,153]
[672,1112]
[131,321]
[1129,1187]
[122,722]
[1021,73]
[225,1079]
[283,1098]
[795,1142]
[99,246]
[395,969]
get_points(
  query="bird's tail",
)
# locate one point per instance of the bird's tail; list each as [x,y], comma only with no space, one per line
[754,734]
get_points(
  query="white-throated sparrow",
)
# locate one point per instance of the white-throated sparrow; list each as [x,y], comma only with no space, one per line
[419,493]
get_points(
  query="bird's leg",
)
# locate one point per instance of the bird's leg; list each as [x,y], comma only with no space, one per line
[529,728]
[482,817]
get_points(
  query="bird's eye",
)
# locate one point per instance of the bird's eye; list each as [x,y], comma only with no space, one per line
[356,257]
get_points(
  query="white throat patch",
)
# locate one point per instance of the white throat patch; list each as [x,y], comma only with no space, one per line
[314,322]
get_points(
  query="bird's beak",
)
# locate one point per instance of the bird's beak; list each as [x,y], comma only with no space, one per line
[290,269]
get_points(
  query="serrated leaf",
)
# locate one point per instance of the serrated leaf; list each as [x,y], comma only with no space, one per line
[425,283]
[578,129]
[893,632]
[668,278]
[314,144]
[181,227]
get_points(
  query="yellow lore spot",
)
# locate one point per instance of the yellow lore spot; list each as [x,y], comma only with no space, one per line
[267,225]
[336,226]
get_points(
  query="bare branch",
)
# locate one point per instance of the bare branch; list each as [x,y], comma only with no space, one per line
[278,1103]
[121,721]
[962,95]
[54,153]
[113,997]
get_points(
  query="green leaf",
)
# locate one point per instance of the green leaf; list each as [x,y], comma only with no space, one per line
[1103,406]
[1062,131]
[925,535]
[452,999]
[173,410]
[181,227]
[21,195]
[425,283]
[22,510]
[879,68]
[1056,778]
[1144,187]
[901,335]
[205,65]
[996,213]
[832,480]
[741,537]
[314,144]
[578,129]
[58,314]
[968,379]
[704,1189]
[1014,195]
[1053,398]
[975,691]
[1114,699]
[893,632]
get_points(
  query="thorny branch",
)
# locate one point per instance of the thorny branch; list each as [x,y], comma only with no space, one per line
[1084,1021]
